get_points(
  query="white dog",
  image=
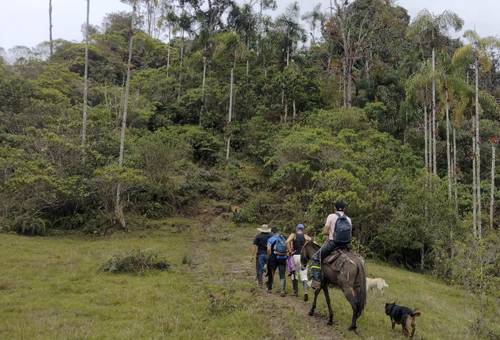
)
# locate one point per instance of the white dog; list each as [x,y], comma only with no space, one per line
[378,283]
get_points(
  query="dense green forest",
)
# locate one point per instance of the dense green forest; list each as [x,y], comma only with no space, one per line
[179,106]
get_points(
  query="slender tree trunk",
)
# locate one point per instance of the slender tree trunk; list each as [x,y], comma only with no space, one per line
[248,67]
[478,151]
[434,132]
[181,62]
[118,206]
[86,80]
[344,81]
[294,110]
[168,48]
[349,85]
[426,139]
[50,29]
[286,110]
[259,39]
[455,171]
[448,147]
[474,180]
[492,187]
[203,88]
[230,114]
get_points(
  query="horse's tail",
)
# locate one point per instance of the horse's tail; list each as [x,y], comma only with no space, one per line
[360,288]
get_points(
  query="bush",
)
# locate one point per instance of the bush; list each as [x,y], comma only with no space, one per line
[30,226]
[135,261]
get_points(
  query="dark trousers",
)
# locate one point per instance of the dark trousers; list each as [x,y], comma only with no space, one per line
[326,250]
[274,263]
[260,263]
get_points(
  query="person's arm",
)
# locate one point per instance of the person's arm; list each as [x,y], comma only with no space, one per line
[269,247]
[326,228]
[307,237]
[289,242]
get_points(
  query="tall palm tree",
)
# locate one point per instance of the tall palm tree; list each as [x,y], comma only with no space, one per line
[431,31]
[493,141]
[118,206]
[86,76]
[476,53]
[50,29]
[417,91]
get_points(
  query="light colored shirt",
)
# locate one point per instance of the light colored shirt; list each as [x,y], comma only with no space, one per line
[330,223]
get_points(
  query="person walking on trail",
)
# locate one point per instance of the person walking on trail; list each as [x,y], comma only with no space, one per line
[276,250]
[294,244]
[260,252]
[338,228]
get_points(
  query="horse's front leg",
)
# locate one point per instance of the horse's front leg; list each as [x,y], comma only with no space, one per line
[328,303]
[313,307]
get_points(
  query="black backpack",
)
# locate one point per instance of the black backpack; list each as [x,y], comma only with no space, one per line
[343,230]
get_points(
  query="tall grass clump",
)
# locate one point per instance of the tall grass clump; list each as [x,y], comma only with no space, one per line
[135,261]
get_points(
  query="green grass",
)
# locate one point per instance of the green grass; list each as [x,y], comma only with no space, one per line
[51,288]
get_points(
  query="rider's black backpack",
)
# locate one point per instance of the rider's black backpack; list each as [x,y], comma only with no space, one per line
[343,230]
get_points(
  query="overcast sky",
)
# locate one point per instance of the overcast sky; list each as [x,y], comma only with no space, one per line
[25,22]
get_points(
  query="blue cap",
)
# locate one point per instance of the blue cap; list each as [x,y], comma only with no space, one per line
[300,226]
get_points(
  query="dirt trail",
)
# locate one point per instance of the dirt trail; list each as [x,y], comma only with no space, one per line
[318,329]
[237,266]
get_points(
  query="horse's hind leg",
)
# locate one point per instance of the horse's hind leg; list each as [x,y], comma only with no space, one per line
[328,303]
[349,294]
[313,307]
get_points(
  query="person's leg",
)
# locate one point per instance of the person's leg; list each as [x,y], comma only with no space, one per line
[261,262]
[257,266]
[295,285]
[282,274]
[271,267]
[296,275]
[303,277]
[317,258]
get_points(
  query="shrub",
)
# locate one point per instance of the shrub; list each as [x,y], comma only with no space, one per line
[29,225]
[135,261]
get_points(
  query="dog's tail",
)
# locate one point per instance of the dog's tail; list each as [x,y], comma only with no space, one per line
[416,312]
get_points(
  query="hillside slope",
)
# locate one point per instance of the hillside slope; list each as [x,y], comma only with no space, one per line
[50,288]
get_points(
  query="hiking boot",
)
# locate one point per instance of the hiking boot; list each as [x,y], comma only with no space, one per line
[260,280]
[306,297]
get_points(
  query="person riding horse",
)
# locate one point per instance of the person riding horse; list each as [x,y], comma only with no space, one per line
[338,228]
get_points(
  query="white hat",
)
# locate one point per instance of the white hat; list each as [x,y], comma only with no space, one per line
[264,228]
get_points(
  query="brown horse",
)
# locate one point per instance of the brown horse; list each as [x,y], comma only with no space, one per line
[351,280]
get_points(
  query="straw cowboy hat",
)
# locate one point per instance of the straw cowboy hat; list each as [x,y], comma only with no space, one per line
[264,228]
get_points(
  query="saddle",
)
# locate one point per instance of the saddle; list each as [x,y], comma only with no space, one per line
[339,257]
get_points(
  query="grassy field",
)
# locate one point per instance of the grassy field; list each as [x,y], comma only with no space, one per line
[51,288]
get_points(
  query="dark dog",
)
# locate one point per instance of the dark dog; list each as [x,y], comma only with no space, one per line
[403,316]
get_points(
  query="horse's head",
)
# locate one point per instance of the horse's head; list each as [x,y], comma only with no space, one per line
[308,250]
